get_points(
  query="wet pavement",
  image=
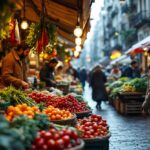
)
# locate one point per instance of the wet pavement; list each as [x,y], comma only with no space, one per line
[128,132]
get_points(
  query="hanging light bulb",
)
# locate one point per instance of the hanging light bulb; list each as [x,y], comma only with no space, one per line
[78,31]
[78,41]
[76,53]
[122,1]
[78,48]
[24,25]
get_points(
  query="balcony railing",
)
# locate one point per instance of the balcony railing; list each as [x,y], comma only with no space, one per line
[140,19]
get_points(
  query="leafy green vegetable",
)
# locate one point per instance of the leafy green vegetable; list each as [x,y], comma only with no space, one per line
[42,121]
[16,96]
[26,129]
[9,138]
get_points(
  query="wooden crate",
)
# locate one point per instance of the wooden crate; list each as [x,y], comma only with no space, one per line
[117,104]
[131,107]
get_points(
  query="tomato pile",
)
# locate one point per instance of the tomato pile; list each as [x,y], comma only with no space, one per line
[56,140]
[57,114]
[21,109]
[68,102]
[93,126]
[40,97]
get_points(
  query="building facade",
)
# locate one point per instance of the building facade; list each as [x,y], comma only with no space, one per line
[124,24]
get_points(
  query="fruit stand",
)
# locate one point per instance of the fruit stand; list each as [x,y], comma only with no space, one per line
[40,120]
[127,95]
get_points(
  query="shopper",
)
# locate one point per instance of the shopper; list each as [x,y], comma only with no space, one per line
[98,80]
[132,71]
[115,72]
[73,72]
[47,73]
[14,67]
[83,76]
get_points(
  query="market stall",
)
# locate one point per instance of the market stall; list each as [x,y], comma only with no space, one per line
[33,114]
[127,95]
[42,120]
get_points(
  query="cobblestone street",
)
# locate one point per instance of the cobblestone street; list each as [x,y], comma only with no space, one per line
[128,132]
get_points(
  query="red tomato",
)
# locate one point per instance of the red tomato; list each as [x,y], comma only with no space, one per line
[60,144]
[47,135]
[51,143]
[44,147]
[40,142]
[66,139]
[56,136]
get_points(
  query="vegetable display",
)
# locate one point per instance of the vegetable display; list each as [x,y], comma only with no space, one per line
[57,114]
[31,122]
[21,109]
[132,85]
[16,96]
[56,139]
[92,127]
[68,102]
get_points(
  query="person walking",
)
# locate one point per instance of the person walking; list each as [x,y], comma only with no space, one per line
[47,73]
[83,76]
[97,83]
[14,67]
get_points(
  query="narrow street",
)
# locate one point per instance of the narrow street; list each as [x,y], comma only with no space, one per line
[127,132]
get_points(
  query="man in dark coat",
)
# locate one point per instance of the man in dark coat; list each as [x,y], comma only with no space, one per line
[47,73]
[98,80]
[132,71]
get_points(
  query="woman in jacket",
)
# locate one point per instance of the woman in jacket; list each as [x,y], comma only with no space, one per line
[98,80]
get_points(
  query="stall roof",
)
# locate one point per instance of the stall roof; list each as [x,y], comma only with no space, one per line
[124,59]
[137,48]
[64,13]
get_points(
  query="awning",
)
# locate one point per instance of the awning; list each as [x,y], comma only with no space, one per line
[139,47]
[124,59]
[64,13]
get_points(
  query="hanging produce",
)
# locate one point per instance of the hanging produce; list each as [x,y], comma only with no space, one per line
[44,34]
[42,39]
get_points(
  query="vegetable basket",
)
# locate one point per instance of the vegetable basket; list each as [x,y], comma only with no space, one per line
[71,121]
[63,87]
[79,147]
[98,143]
[83,114]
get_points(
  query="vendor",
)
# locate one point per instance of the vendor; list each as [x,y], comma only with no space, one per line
[132,71]
[115,72]
[47,73]
[14,67]
[59,73]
